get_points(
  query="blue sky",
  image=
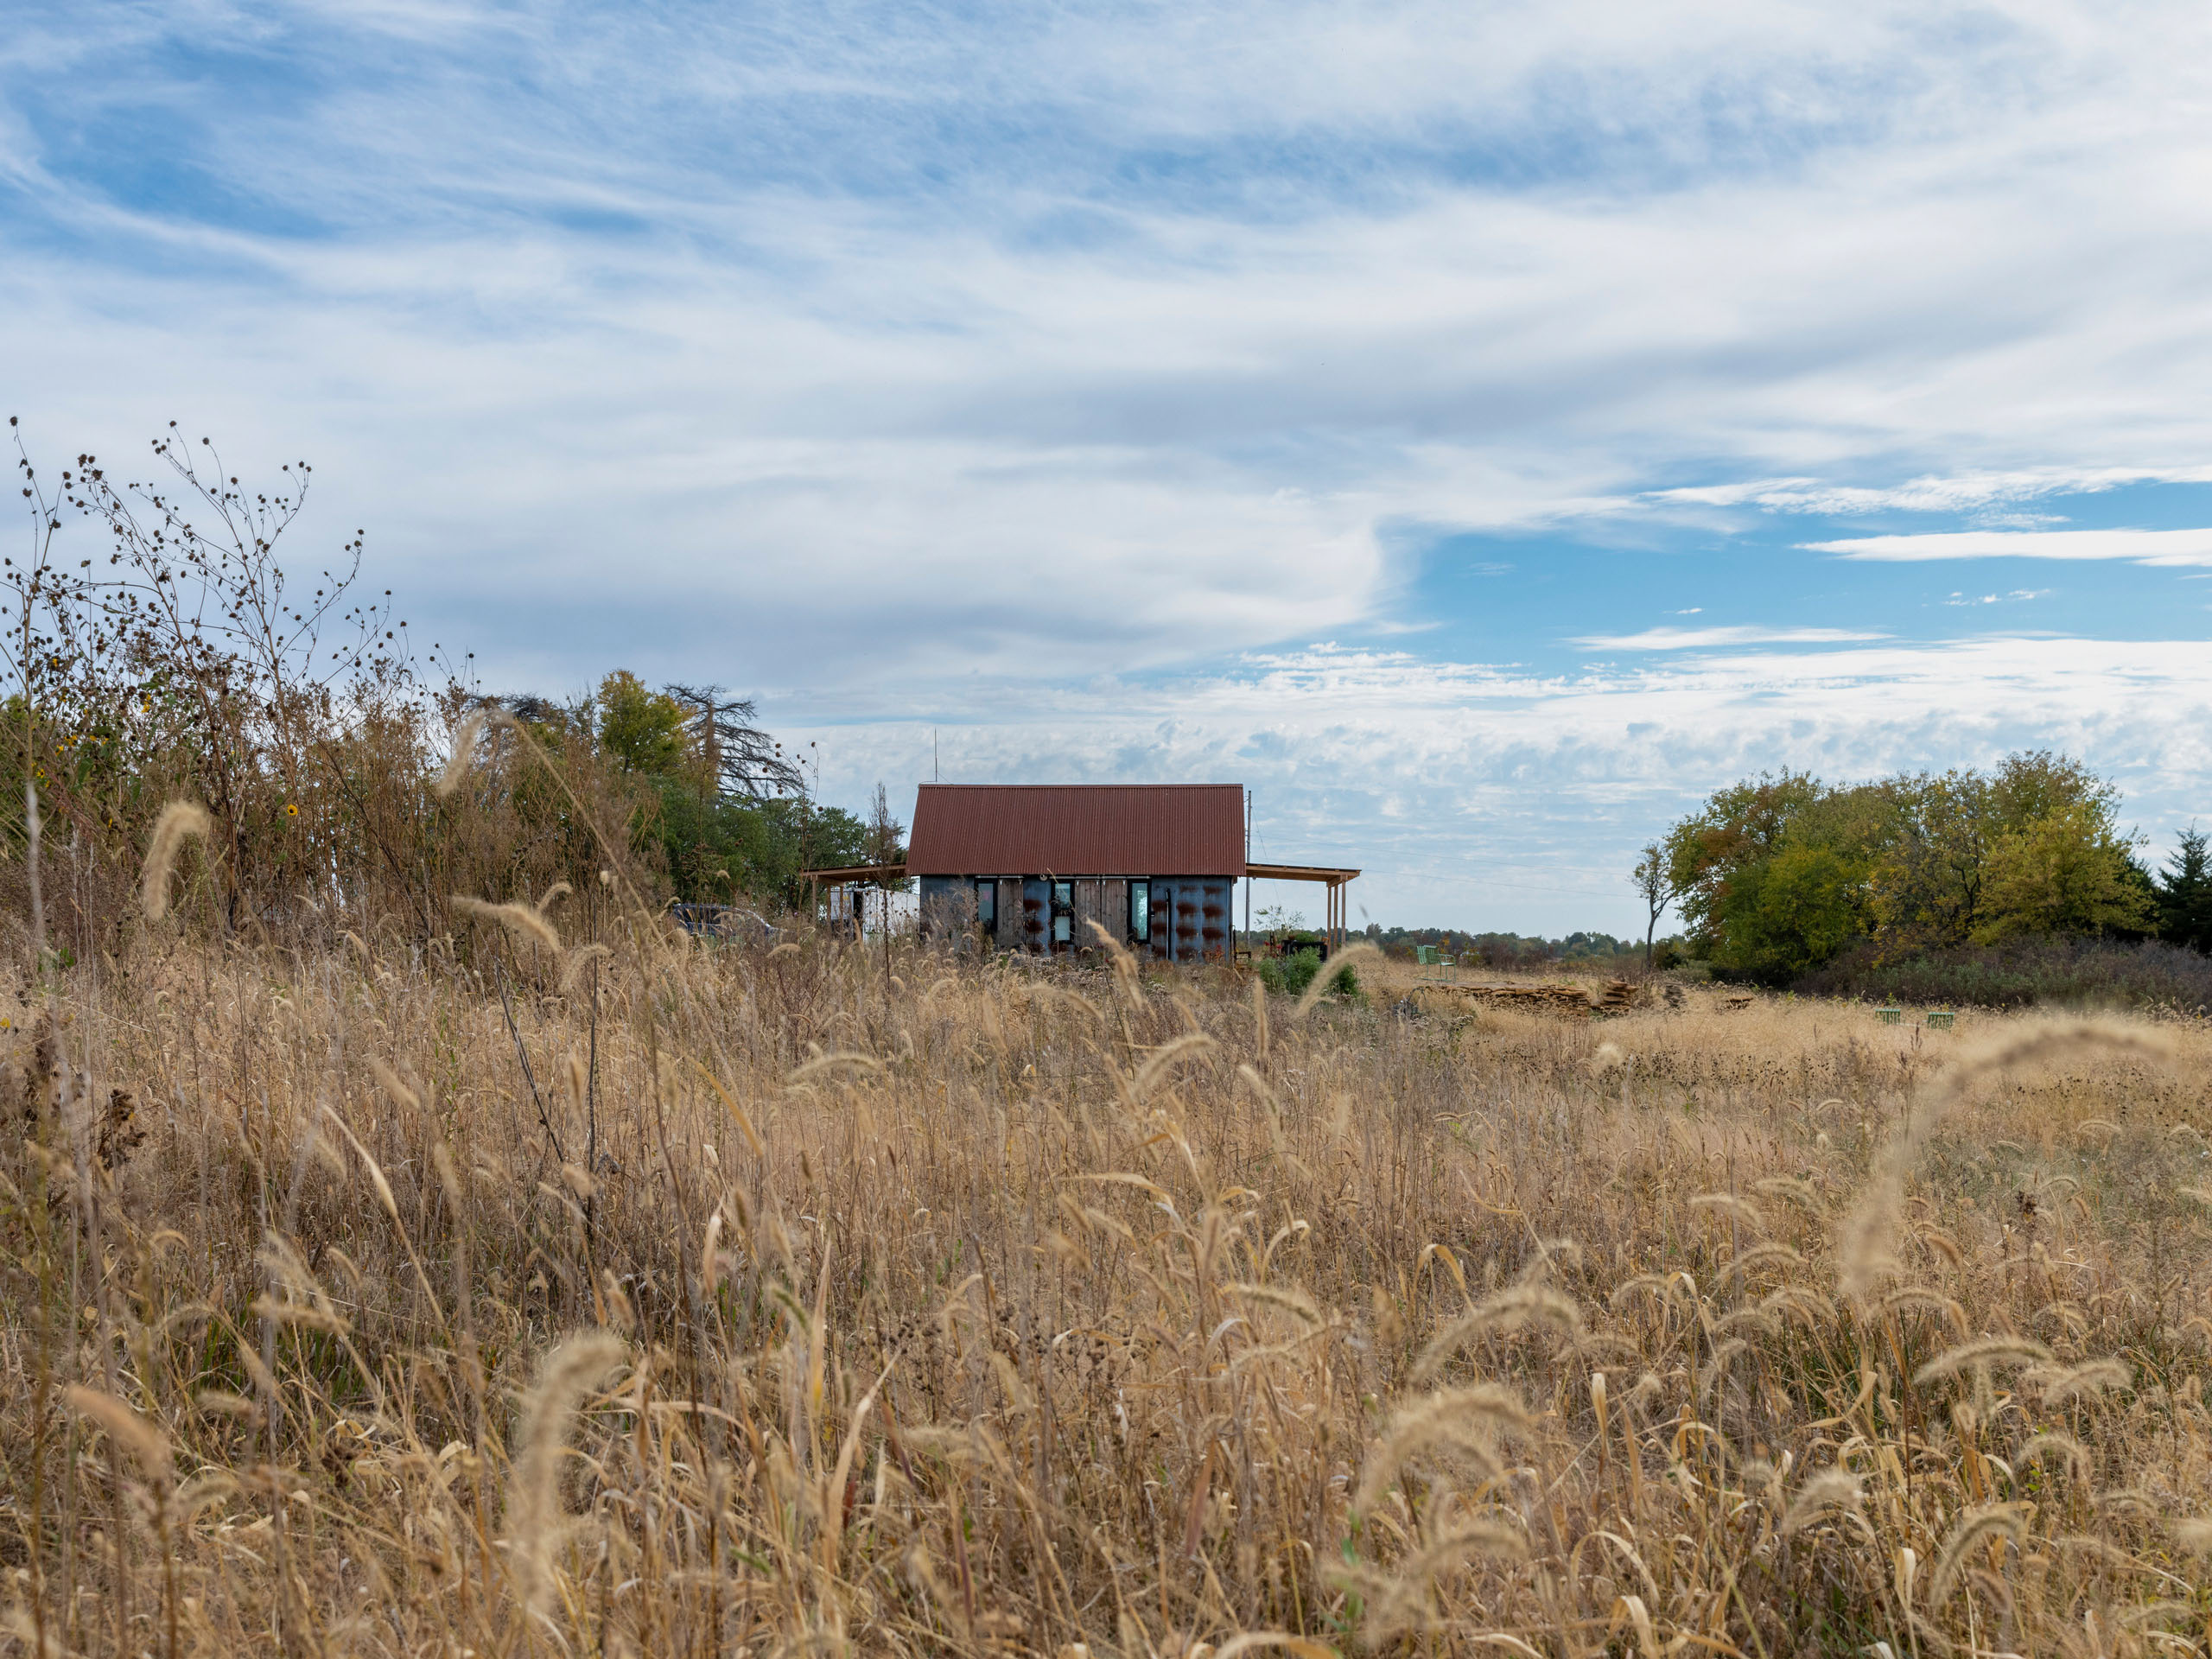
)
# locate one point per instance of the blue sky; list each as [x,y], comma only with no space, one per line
[1484,429]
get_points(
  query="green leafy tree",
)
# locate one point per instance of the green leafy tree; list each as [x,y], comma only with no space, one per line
[1737,831]
[1794,911]
[1774,873]
[1779,874]
[2060,873]
[645,731]
[1926,890]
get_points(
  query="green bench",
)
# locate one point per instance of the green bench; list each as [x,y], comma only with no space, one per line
[1891,1016]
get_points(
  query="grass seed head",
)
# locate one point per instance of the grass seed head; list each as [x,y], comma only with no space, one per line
[1981,1525]
[462,755]
[576,1366]
[180,820]
[1830,1490]
[521,920]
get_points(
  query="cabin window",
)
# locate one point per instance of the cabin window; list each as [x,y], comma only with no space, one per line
[1063,911]
[1140,912]
[987,906]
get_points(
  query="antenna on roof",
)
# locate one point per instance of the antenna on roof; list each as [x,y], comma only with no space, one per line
[932,755]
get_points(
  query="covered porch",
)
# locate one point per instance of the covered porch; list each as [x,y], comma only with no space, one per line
[1334,880]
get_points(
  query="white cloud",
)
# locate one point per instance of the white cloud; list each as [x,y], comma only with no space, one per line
[2017,596]
[2154,547]
[1708,639]
[994,365]
[1006,398]
[1982,494]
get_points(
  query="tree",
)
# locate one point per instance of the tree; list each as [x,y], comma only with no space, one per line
[2063,872]
[2184,892]
[1778,874]
[884,845]
[1738,828]
[1772,875]
[737,758]
[645,730]
[1654,881]
[1927,889]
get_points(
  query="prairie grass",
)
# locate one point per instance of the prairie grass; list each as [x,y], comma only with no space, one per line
[650,1299]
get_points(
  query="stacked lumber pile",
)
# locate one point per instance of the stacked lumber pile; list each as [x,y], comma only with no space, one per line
[1543,999]
[1618,997]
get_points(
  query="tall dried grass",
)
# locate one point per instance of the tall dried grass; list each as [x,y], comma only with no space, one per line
[832,1299]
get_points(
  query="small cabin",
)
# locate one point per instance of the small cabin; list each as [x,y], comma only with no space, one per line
[1032,867]
[1038,868]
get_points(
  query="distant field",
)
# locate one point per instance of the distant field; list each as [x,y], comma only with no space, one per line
[810,1297]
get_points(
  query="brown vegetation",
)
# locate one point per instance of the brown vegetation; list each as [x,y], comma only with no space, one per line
[639,1297]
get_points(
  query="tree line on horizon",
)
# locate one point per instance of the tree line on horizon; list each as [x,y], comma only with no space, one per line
[1780,875]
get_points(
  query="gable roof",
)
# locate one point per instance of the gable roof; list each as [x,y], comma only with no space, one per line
[1078,829]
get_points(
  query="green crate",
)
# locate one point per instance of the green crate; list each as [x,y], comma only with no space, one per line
[1941,1020]
[1891,1016]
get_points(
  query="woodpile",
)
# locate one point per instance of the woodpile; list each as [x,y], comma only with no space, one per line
[1617,997]
[1542,999]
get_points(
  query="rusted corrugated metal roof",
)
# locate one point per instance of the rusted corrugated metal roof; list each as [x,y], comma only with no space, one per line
[1078,829]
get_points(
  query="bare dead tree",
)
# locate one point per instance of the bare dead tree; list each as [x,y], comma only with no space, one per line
[742,761]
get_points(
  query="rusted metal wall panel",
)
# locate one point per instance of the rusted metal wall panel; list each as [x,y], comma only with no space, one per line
[1192,917]
[1189,897]
[1078,829]
[1214,918]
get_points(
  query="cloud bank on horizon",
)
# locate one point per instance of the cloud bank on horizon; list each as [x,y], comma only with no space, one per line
[1482,429]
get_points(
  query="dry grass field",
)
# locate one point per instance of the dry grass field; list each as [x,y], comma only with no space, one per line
[667,1299]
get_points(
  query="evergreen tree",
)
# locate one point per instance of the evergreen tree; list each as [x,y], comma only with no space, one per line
[2184,892]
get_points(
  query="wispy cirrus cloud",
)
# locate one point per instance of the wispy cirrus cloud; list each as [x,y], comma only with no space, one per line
[2148,547]
[1713,638]
[1987,496]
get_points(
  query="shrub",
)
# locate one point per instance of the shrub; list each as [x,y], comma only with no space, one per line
[2022,973]
[1291,976]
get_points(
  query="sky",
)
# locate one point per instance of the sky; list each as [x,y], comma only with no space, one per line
[1481,430]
